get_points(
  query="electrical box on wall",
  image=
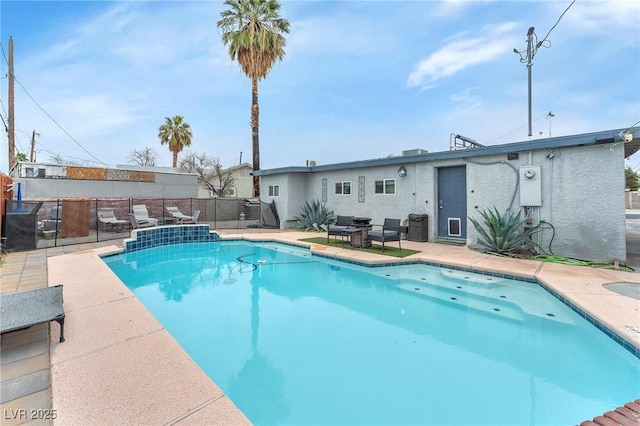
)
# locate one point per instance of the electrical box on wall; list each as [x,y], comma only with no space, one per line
[530,186]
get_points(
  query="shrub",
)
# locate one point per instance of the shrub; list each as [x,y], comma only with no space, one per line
[503,233]
[315,216]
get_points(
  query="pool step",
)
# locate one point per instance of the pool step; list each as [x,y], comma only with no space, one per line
[496,295]
[464,300]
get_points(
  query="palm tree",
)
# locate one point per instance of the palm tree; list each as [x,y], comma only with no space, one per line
[254,32]
[175,133]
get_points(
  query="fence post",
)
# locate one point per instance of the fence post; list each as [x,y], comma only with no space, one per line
[58,223]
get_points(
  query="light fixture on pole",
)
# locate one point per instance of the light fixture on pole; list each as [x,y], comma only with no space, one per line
[402,171]
[550,116]
[528,59]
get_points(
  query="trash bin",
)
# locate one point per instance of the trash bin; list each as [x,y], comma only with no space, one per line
[21,224]
[418,227]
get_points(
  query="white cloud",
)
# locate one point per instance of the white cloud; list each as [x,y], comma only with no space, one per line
[452,8]
[338,34]
[460,53]
[605,16]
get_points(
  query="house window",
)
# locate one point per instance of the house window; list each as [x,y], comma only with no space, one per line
[384,186]
[343,188]
[274,190]
[228,192]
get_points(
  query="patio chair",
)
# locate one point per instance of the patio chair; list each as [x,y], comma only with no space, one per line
[181,217]
[137,225]
[29,308]
[109,219]
[55,213]
[194,218]
[142,215]
[341,225]
[390,232]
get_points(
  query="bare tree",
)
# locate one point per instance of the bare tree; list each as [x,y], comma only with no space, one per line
[210,172]
[59,159]
[144,157]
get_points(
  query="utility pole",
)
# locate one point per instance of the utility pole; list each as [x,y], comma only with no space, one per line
[531,52]
[528,59]
[12,121]
[32,157]
[529,65]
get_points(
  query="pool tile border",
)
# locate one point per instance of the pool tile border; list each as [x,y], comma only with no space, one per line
[163,235]
[606,330]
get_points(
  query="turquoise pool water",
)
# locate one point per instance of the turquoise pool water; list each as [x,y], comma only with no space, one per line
[297,339]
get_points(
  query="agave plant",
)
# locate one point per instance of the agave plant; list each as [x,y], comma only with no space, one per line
[503,234]
[315,216]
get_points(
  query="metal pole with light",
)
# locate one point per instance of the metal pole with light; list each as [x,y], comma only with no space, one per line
[550,116]
[529,65]
[531,51]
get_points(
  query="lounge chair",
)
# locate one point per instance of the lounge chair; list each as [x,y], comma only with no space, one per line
[109,219]
[341,225]
[142,215]
[53,222]
[29,308]
[194,218]
[133,221]
[181,217]
[390,232]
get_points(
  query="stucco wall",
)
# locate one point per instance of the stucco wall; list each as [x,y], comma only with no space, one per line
[293,194]
[242,182]
[580,195]
[413,192]
[166,185]
[584,202]
[580,198]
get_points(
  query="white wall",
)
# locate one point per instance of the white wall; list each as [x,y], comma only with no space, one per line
[166,185]
[581,195]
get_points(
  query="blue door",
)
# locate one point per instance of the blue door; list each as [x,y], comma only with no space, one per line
[452,202]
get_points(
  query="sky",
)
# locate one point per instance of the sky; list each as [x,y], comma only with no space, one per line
[360,79]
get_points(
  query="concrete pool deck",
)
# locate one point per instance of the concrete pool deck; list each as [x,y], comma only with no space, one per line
[119,365]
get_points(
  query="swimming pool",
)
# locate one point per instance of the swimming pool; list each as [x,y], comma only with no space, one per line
[293,338]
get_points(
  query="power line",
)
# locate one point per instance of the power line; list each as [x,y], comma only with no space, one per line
[514,130]
[4,53]
[632,126]
[554,25]
[58,124]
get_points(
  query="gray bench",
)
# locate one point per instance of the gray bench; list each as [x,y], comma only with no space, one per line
[23,310]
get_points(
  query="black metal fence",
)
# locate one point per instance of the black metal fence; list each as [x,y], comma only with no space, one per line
[29,225]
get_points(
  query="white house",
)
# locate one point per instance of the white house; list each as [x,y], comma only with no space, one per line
[242,183]
[573,185]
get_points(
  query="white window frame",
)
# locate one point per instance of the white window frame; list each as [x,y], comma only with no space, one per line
[384,187]
[274,190]
[341,183]
[228,192]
